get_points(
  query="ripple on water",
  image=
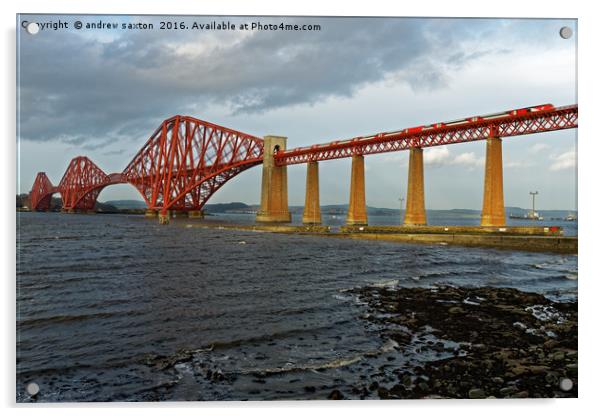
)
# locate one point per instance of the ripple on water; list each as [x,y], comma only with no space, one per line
[98,295]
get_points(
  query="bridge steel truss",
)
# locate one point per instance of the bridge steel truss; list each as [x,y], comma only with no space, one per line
[41,192]
[186,160]
[427,136]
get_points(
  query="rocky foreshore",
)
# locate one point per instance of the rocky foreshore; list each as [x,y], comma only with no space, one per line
[500,342]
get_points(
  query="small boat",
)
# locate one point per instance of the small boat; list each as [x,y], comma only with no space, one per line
[531,216]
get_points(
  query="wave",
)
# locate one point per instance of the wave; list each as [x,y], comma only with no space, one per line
[389,345]
[65,318]
[385,283]
[218,345]
[432,275]
[549,279]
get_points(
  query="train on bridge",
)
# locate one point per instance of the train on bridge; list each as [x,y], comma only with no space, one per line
[186,160]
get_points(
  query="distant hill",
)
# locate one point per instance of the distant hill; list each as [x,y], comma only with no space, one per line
[127,204]
[228,207]
[336,209]
[210,208]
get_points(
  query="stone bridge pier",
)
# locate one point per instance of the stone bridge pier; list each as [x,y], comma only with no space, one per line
[415,210]
[493,214]
[274,184]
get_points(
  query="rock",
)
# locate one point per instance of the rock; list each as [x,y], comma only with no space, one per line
[539,369]
[218,376]
[519,370]
[520,395]
[505,391]
[476,394]
[550,344]
[498,380]
[503,355]
[383,393]
[486,351]
[423,386]
[335,395]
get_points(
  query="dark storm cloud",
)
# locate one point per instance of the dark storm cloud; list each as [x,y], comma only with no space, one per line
[93,92]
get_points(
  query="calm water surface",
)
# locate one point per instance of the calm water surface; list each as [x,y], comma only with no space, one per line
[104,300]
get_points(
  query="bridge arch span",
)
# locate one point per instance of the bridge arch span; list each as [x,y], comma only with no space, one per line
[186,160]
[41,193]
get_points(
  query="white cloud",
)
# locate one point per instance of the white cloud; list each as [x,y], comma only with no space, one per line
[566,160]
[517,164]
[441,156]
[469,159]
[536,148]
[437,156]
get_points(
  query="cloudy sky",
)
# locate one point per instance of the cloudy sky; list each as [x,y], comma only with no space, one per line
[101,93]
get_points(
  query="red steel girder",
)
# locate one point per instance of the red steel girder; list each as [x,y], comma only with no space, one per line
[41,192]
[187,160]
[558,118]
[82,182]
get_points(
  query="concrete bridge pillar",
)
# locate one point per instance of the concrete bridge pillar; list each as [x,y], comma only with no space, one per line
[164,217]
[274,184]
[195,214]
[150,213]
[357,195]
[311,212]
[493,213]
[415,212]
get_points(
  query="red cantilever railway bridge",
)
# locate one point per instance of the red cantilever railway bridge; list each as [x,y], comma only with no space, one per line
[187,160]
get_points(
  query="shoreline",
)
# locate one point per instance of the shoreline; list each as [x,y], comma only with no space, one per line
[467,238]
[508,343]
[439,342]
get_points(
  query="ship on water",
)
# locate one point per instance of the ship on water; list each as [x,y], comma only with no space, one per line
[531,215]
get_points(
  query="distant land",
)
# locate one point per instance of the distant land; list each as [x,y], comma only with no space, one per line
[241,207]
[137,206]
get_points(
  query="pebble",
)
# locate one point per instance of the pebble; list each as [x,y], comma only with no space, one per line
[423,386]
[335,395]
[476,394]
[550,344]
[505,391]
